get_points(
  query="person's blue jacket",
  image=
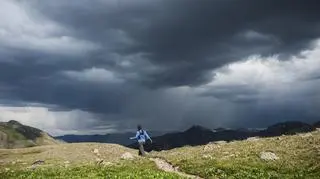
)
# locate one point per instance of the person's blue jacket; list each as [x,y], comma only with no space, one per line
[141,136]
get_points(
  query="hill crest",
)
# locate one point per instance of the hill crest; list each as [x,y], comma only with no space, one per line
[13,134]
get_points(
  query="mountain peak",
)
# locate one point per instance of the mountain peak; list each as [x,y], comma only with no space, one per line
[14,122]
[197,128]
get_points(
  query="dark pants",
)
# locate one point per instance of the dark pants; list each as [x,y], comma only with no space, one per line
[141,148]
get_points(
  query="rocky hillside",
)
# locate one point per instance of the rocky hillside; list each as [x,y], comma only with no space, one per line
[16,135]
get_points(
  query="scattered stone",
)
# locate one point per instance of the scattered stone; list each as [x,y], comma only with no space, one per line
[38,162]
[305,135]
[24,163]
[207,156]
[106,163]
[96,151]
[7,169]
[210,147]
[253,139]
[66,162]
[268,156]
[127,156]
[13,162]
[220,142]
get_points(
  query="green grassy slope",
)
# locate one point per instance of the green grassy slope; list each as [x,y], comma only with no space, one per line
[299,157]
[77,160]
[129,169]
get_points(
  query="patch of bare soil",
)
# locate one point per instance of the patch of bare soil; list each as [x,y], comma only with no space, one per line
[167,167]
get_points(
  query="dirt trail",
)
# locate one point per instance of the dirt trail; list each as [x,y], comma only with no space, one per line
[167,167]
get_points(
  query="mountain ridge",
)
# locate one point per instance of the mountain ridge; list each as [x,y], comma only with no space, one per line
[16,135]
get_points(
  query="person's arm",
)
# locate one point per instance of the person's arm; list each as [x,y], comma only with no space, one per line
[148,137]
[137,135]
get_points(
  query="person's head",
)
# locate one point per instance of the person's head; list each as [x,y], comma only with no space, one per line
[139,127]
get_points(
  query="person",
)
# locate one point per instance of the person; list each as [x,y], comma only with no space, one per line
[141,137]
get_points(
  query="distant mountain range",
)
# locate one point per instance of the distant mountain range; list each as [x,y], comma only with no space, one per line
[198,135]
[117,138]
[195,135]
[16,135]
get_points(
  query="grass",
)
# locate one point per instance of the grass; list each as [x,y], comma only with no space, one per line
[74,153]
[129,169]
[299,157]
[12,134]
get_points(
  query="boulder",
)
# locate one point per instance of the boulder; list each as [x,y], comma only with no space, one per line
[268,156]
[127,156]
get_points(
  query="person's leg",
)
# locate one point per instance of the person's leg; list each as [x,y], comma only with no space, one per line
[141,149]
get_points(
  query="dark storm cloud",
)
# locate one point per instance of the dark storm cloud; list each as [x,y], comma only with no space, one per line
[188,38]
[149,46]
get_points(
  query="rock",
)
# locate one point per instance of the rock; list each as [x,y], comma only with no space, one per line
[96,151]
[228,156]
[253,139]
[268,156]
[220,142]
[127,156]
[38,162]
[209,147]
[305,135]
[207,156]
[106,163]
[66,162]
[7,169]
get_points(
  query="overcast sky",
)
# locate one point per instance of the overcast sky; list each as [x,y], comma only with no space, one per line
[98,66]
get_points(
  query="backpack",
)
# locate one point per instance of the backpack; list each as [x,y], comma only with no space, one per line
[141,133]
